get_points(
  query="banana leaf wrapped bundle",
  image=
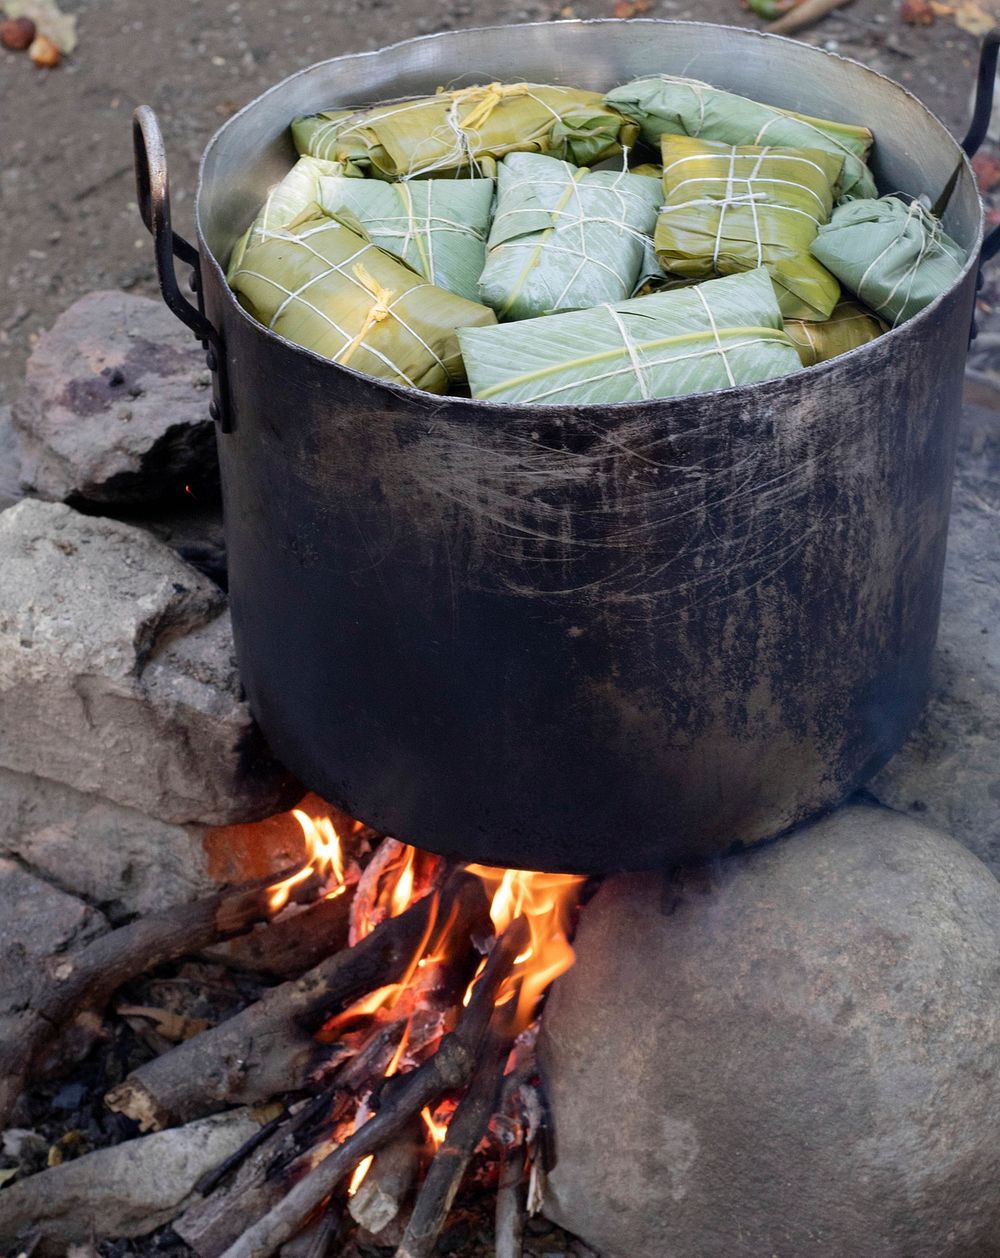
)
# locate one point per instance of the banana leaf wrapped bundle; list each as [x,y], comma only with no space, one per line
[670,105]
[712,336]
[324,286]
[565,237]
[894,257]
[731,208]
[850,326]
[437,226]
[467,130]
[288,198]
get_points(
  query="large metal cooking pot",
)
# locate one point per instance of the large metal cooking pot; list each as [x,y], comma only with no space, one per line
[582,638]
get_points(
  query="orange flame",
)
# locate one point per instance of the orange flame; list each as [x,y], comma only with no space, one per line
[547,902]
[325,858]
[436,1131]
[360,1171]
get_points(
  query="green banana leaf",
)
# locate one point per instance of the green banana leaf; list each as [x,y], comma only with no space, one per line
[565,237]
[287,200]
[712,336]
[894,257]
[670,105]
[324,286]
[438,226]
[465,130]
[728,209]
[850,326]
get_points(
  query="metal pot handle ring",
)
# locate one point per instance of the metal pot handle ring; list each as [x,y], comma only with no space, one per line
[979,125]
[153,195]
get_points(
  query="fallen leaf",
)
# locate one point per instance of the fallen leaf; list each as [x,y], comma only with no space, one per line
[987,168]
[632,8]
[7,1174]
[917,12]
[172,1026]
[970,17]
[771,10]
[266,1113]
[942,10]
[48,18]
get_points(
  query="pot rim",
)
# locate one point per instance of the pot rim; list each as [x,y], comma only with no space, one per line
[424,396]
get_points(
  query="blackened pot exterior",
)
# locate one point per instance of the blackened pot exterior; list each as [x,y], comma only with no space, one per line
[588,638]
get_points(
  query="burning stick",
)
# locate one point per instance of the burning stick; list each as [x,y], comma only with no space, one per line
[449,1068]
[465,1130]
[292,943]
[50,1013]
[509,1228]
[269,1049]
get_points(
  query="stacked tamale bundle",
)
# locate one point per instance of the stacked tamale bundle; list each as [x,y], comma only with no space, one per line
[467,130]
[711,336]
[565,237]
[729,208]
[892,255]
[343,297]
[543,244]
[666,104]
[437,226]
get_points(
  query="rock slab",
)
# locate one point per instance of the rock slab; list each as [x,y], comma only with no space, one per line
[114,409]
[795,1054]
[38,919]
[117,673]
[115,857]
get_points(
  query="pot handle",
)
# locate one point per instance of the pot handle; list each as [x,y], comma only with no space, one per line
[979,125]
[153,195]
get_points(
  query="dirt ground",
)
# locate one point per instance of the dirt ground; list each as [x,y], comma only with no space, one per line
[68,219]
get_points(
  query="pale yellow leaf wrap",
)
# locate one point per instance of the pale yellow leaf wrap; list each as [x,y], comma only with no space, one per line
[467,130]
[731,208]
[327,288]
[850,326]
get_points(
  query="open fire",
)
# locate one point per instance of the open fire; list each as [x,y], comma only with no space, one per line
[401,1043]
[386,1035]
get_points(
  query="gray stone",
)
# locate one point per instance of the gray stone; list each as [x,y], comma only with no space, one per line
[948,772]
[10,461]
[37,919]
[115,405]
[117,673]
[795,1053]
[115,857]
[126,1190]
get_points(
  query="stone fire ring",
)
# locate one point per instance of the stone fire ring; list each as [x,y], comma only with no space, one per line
[798,1054]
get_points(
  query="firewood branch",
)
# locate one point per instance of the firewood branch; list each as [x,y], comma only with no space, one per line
[268,1048]
[466,1129]
[51,1012]
[449,1068]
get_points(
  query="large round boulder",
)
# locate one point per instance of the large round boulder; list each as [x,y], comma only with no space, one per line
[794,1054]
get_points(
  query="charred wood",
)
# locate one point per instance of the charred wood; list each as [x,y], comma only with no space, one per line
[51,1012]
[268,1049]
[389,1181]
[292,943]
[467,1127]
[449,1068]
